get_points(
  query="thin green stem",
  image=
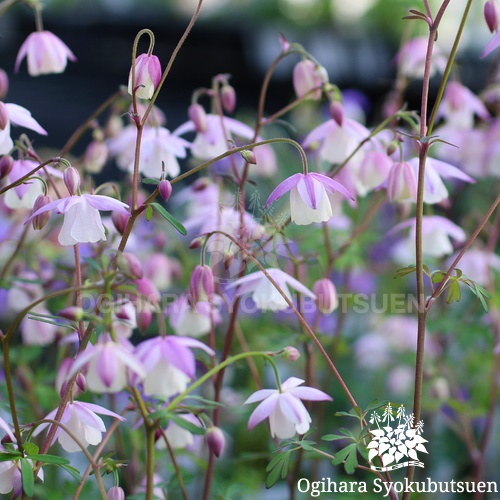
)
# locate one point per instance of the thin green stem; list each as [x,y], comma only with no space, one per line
[25,177]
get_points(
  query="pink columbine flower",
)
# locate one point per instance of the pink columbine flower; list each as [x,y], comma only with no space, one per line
[23,195]
[402,182]
[285,410]
[178,437]
[265,295]
[411,58]
[308,79]
[310,197]
[10,476]
[17,115]
[46,54]
[81,419]
[109,365]
[82,221]
[169,363]
[147,76]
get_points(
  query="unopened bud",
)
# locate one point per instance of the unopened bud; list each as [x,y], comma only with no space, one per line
[72,180]
[326,295]
[123,314]
[492,15]
[130,265]
[165,189]
[81,382]
[95,157]
[336,111]
[228,259]
[228,98]
[201,285]
[116,493]
[71,313]
[285,44]
[196,243]
[291,353]
[147,290]
[4,84]
[215,440]
[249,156]
[144,318]
[41,220]
[6,164]
[119,221]
[197,115]
[4,116]
[392,148]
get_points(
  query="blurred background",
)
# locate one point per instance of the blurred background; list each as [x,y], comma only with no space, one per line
[355,40]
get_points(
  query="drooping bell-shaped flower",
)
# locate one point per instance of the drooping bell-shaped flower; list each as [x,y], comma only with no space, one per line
[147,76]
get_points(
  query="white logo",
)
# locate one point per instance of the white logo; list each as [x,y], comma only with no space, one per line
[392,445]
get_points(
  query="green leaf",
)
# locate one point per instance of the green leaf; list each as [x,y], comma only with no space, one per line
[454,292]
[149,213]
[405,271]
[169,218]
[30,448]
[28,479]
[5,457]
[277,468]
[149,180]
[375,405]
[346,432]
[189,426]
[437,276]
[74,472]
[307,445]
[348,456]
[333,437]
[48,459]
[346,414]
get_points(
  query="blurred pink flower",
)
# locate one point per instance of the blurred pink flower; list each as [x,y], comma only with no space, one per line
[46,54]
[285,410]
[411,58]
[308,79]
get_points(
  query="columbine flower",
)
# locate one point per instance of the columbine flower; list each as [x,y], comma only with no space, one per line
[46,54]
[17,115]
[147,76]
[4,426]
[80,419]
[178,437]
[308,79]
[285,410]
[310,197]
[108,365]
[402,182]
[23,195]
[265,295]
[411,58]
[82,221]
[10,476]
[169,363]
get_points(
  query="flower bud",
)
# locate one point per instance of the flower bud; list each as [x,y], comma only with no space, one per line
[95,157]
[4,84]
[291,353]
[116,493]
[41,219]
[215,440]
[144,318]
[201,285]
[71,313]
[4,116]
[200,184]
[249,156]
[326,295]
[130,265]
[336,111]
[197,115]
[196,243]
[72,180]
[228,98]
[6,164]
[81,382]
[402,183]
[147,290]
[147,76]
[492,15]
[228,259]
[285,44]
[165,189]
[119,221]
[308,79]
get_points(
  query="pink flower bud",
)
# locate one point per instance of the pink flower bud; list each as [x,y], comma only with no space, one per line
[249,156]
[201,285]
[81,382]
[291,353]
[197,115]
[147,290]
[228,98]
[196,243]
[308,79]
[402,182]
[147,76]
[285,44]
[6,164]
[4,83]
[71,313]
[336,111]
[130,265]
[116,493]
[201,184]
[72,180]
[41,219]
[492,15]
[228,259]
[326,295]
[119,221]
[215,440]
[144,318]
[165,189]
[95,157]
[4,116]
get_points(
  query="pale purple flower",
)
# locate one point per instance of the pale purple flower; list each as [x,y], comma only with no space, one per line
[158,145]
[46,54]
[308,79]
[372,170]
[310,197]
[109,365]
[169,363]
[285,410]
[10,476]
[411,58]
[81,419]
[147,76]
[178,437]
[402,182]
[23,195]
[493,44]
[264,293]
[17,115]
[477,264]
[82,221]
[5,427]
[37,332]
